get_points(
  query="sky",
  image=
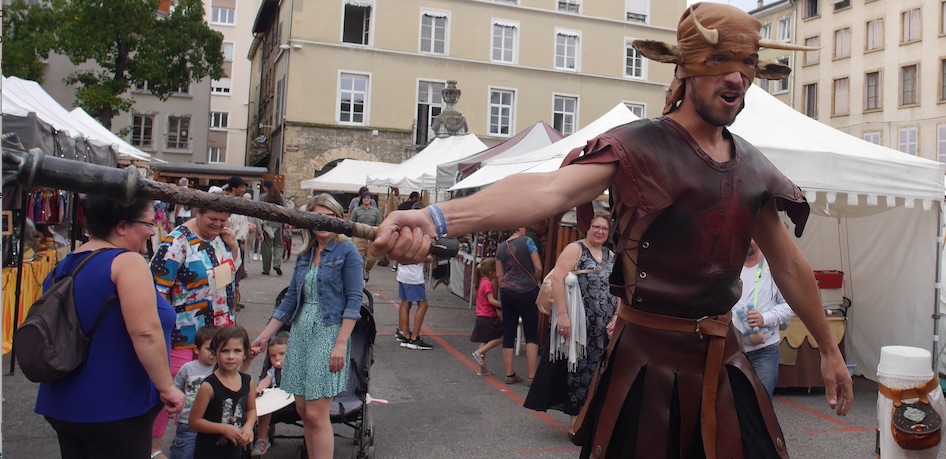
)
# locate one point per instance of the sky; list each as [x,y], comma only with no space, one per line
[745,5]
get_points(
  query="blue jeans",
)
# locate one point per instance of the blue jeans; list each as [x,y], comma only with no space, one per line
[765,363]
[184,440]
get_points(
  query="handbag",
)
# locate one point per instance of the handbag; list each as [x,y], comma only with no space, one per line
[543,302]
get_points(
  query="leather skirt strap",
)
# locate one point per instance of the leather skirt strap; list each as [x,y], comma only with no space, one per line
[921,392]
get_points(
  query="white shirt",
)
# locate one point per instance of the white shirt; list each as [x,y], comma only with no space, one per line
[410,274]
[775,310]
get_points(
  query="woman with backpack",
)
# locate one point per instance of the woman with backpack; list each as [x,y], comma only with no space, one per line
[105,408]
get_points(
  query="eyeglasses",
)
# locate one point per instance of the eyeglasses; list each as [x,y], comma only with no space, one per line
[600,228]
[150,225]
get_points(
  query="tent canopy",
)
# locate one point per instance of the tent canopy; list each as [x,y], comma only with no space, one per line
[498,168]
[420,171]
[348,176]
[824,161]
[533,138]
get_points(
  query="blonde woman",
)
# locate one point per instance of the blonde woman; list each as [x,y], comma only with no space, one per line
[323,303]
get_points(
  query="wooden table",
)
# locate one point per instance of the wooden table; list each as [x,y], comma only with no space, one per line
[800,359]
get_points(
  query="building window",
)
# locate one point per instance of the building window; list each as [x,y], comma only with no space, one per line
[182,91]
[142,130]
[872,137]
[357,24]
[178,131]
[636,10]
[566,50]
[221,86]
[501,111]
[227,49]
[842,43]
[872,91]
[353,96]
[910,25]
[782,85]
[433,32]
[941,143]
[942,18]
[908,84]
[908,140]
[875,34]
[810,9]
[841,102]
[811,100]
[766,30]
[219,120]
[840,5]
[280,98]
[785,29]
[813,57]
[505,42]
[570,6]
[633,61]
[639,110]
[942,80]
[565,114]
[429,105]
[216,155]
[222,16]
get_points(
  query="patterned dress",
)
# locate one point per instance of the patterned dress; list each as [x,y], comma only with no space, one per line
[554,386]
[306,371]
[599,308]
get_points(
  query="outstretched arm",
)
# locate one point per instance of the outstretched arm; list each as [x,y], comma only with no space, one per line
[796,281]
[516,201]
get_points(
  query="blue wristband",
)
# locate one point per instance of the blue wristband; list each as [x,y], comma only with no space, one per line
[440,223]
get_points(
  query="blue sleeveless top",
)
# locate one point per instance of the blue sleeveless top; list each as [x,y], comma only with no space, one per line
[113,384]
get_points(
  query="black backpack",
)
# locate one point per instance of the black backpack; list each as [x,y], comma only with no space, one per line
[50,343]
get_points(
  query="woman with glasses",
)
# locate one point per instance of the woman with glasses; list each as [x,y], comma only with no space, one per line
[556,387]
[194,268]
[105,408]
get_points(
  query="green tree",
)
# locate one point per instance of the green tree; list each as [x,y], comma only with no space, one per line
[27,39]
[128,42]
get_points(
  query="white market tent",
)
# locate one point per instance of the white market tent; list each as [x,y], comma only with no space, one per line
[348,176]
[497,169]
[531,139]
[22,98]
[875,216]
[420,171]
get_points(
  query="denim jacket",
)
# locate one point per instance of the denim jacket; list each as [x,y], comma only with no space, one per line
[338,283]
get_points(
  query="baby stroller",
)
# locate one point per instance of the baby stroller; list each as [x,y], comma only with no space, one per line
[350,407]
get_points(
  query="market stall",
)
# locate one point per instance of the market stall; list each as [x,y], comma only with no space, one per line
[348,176]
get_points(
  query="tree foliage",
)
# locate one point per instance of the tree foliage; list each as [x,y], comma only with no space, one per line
[27,39]
[127,43]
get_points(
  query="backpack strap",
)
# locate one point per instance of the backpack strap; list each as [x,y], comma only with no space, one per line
[111,298]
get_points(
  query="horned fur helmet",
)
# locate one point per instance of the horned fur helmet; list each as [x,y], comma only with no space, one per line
[710,29]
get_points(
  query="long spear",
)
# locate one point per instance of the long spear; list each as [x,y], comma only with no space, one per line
[34,168]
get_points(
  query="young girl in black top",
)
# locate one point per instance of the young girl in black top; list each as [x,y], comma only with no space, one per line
[223,414]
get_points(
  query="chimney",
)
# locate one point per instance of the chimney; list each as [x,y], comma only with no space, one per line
[759,6]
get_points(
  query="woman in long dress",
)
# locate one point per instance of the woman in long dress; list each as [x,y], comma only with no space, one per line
[554,386]
[323,303]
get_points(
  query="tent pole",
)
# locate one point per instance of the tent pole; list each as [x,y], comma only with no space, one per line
[937,287]
[473,286]
[18,289]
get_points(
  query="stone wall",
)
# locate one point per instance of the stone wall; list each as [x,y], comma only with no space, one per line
[310,147]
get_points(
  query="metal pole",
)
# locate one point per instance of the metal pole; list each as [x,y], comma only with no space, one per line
[936,290]
[19,274]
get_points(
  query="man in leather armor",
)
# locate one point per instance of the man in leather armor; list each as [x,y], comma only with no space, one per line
[687,197]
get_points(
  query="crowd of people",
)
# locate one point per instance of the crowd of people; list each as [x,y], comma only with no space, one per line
[642,319]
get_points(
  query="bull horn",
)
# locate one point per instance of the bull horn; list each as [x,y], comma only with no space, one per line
[710,35]
[772,44]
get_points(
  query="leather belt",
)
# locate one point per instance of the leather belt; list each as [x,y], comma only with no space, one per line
[921,392]
[714,328]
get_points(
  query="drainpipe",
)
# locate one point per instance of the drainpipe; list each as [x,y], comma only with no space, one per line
[285,89]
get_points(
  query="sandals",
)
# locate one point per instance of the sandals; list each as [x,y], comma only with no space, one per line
[480,358]
[513,379]
[484,371]
[260,447]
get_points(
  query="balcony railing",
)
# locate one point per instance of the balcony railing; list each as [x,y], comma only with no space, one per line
[570,7]
[636,17]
